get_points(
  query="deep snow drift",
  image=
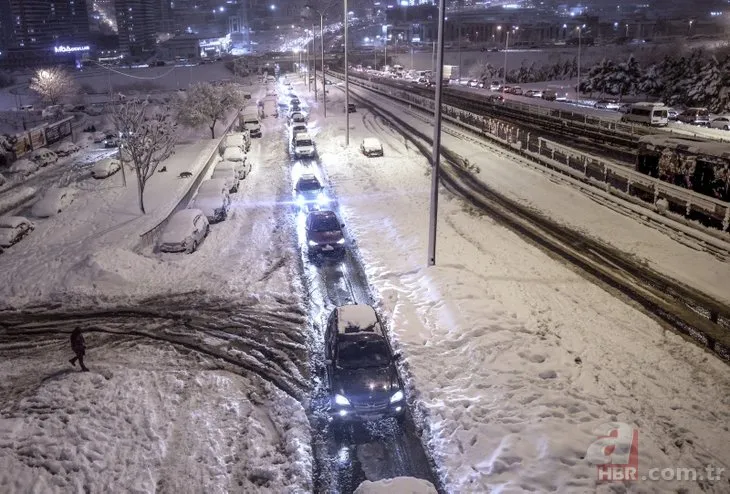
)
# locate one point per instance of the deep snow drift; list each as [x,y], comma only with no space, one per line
[514,359]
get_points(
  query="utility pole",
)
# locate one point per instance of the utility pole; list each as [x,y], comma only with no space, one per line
[579,36]
[436,155]
[314,49]
[347,83]
[324,77]
[506,46]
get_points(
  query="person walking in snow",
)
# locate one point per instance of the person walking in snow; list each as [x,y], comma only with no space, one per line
[78,345]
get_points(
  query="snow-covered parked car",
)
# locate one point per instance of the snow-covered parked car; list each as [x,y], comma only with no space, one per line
[24,167]
[66,148]
[721,122]
[242,168]
[54,201]
[250,122]
[303,146]
[44,157]
[105,168]
[213,200]
[13,228]
[234,153]
[370,146]
[227,174]
[240,140]
[184,231]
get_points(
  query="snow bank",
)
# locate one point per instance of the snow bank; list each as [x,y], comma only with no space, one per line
[399,485]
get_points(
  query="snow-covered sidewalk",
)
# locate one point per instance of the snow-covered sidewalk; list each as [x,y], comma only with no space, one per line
[514,359]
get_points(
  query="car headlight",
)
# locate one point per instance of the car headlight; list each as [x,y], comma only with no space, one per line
[341,241]
[300,199]
[312,243]
[397,396]
[342,401]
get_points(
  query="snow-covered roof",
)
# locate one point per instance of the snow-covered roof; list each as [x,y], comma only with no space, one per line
[106,164]
[23,165]
[179,226]
[213,185]
[371,142]
[208,203]
[234,140]
[233,154]
[303,136]
[356,318]
[12,221]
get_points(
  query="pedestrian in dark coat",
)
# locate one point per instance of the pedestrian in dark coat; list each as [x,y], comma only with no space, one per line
[78,345]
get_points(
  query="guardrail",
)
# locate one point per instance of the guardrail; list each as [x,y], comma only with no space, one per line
[150,237]
[610,177]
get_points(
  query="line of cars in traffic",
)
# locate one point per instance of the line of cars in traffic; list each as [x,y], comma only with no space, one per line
[360,366]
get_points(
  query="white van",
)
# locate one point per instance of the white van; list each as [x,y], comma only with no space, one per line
[655,114]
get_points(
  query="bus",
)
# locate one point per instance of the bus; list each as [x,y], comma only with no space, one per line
[654,114]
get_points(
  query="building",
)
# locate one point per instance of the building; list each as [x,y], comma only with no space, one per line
[138,22]
[43,31]
[186,46]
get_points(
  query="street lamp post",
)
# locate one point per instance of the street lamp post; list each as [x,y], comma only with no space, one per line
[314,49]
[321,40]
[436,154]
[347,83]
[579,37]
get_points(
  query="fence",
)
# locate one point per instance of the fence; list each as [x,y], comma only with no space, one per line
[612,178]
[149,238]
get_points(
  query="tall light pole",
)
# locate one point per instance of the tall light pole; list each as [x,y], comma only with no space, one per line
[321,40]
[506,47]
[347,83]
[580,29]
[314,49]
[436,154]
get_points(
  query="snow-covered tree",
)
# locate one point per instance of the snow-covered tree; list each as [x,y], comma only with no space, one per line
[651,82]
[147,134]
[706,84]
[53,85]
[206,104]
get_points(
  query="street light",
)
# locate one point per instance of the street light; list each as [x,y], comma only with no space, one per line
[347,79]
[506,47]
[580,29]
[321,40]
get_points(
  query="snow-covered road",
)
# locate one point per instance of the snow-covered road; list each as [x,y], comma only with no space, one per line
[517,359]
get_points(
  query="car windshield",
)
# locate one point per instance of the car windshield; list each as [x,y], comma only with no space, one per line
[304,142]
[309,185]
[362,354]
[325,224]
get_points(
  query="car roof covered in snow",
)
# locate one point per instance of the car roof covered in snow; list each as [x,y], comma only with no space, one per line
[104,164]
[357,318]
[303,136]
[233,152]
[179,225]
[213,185]
[234,140]
[23,164]
[13,221]
[371,142]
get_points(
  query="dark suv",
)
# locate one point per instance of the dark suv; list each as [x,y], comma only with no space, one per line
[324,234]
[361,374]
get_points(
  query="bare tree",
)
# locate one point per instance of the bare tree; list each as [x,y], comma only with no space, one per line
[53,84]
[206,104]
[147,137]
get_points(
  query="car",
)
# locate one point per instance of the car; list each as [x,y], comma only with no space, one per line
[495,98]
[360,367]
[695,116]
[516,90]
[721,122]
[298,128]
[105,168]
[23,167]
[55,200]
[303,146]
[241,168]
[351,108]
[294,101]
[110,141]
[44,157]
[184,231]
[506,89]
[549,94]
[229,175]
[672,114]
[370,146]
[295,108]
[495,86]
[624,108]
[241,140]
[213,200]
[66,148]
[251,123]
[309,193]
[533,93]
[472,83]
[324,234]
[297,117]
[14,228]
[607,104]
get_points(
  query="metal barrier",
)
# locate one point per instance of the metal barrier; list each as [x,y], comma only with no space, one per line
[150,237]
[611,177]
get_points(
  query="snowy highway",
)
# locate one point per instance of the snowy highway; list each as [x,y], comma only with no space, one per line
[207,368]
